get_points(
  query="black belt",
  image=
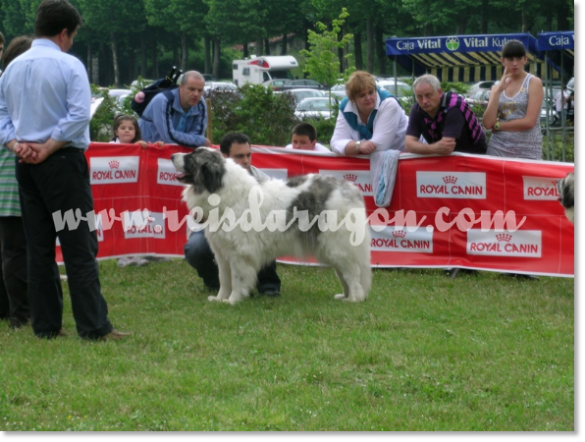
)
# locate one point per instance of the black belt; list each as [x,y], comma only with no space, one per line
[71,149]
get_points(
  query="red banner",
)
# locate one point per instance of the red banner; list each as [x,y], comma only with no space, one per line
[463,210]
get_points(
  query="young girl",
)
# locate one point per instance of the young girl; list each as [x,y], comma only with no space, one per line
[513,111]
[127,131]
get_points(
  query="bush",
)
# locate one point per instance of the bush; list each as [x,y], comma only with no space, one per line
[267,118]
[101,124]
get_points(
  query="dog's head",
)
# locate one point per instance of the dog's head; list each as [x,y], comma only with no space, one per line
[566,188]
[203,169]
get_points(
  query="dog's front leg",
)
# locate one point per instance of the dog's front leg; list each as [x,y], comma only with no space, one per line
[225,279]
[243,278]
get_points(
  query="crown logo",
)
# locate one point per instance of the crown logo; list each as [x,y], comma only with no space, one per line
[350,177]
[504,237]
[399,234]
[114,164]
[449,179]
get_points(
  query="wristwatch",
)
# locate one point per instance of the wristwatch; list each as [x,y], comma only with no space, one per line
[357,145]
[497,126]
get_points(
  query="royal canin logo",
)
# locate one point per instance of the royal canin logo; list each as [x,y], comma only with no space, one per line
[399,234]
[114,170]
[504,237]
[451,184]
[449,179]
[114,164]
[350,177]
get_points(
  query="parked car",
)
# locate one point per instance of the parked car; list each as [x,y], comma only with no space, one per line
[277,84]
[479,98]
[119,95]
[399,89]
[220,86]
[485,85]
[316,107]
[305,83]
[339,90]
[300,94]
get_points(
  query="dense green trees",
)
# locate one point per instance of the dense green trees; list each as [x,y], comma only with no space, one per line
[122,39]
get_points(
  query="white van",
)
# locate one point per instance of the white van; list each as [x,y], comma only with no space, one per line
[258,70]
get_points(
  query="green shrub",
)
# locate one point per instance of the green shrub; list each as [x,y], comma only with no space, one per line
[100,126]
[267,118]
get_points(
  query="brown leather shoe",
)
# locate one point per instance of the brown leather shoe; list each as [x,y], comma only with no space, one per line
[115,335]
[62,333]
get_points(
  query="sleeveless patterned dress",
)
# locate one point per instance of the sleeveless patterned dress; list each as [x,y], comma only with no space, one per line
[525,144]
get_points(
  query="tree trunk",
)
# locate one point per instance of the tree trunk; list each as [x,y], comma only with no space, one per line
[524,21]
[428,29]
[359,58]
[207,55]
[461,25]
[284,47]
[380,50]
[115,60]
[143,55]
[216,55]
[246,52]
[131,64]
[95,69]
[259,46]
[484,16]
[371,46]
[267,46]
[184,51]
[155,62]
[89,63]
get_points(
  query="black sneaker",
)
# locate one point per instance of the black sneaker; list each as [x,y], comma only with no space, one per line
[270,293]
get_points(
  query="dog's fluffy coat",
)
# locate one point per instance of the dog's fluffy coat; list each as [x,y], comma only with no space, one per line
[566,188]
[241,254]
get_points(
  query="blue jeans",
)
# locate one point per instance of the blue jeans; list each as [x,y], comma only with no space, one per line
[200,256]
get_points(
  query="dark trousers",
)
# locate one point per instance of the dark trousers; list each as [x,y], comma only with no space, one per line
[58,184]
[200,256]
[13,279]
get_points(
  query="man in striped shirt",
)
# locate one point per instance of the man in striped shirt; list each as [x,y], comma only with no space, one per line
[444,120]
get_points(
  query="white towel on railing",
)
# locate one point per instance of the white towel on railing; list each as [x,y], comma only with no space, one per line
[383,169]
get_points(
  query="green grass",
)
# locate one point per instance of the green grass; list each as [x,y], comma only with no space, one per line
[424,352]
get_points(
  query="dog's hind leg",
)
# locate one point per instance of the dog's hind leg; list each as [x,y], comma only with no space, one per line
[350,279]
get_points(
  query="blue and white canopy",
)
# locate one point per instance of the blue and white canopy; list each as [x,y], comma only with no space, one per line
[466,58]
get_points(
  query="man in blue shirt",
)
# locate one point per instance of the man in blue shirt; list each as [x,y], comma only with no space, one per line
[44,118]
[180,119]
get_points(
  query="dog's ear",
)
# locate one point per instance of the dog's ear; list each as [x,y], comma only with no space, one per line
[212,172]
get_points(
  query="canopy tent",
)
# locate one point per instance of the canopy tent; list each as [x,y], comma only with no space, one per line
[465,58]
[559,48]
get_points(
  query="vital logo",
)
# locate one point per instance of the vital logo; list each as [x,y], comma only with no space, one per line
[464,185]
[400,239]
[360,178]
[540,189]
[520,244]
[108,170]
[452,43]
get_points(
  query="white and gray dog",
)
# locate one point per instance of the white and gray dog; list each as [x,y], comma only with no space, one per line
[566,188]
[263,221]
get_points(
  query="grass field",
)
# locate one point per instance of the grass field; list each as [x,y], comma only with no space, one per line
[424,352]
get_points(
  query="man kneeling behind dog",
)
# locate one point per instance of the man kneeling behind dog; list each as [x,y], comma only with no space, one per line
[197,251]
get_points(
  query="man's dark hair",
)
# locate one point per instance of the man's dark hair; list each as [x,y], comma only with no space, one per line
[16,47]
[514,49]
[1,38]
[231,138]
[305,129]
[55,15]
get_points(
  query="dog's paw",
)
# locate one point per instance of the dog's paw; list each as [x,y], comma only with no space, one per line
[213,298]
[341,296]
